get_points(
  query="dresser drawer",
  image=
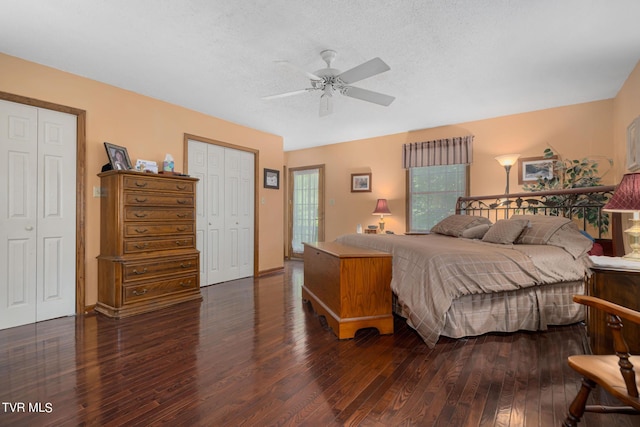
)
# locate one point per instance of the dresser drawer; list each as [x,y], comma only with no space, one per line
[143,229]
[159,267]
[134,246]
[157,184]
[158,288]
[132,213]
[133,198]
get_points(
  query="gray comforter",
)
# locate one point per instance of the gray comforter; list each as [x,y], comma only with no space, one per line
[430,271]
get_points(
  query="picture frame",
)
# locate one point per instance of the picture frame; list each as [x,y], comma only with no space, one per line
[360,182]
[530,169]
[118,157]
[271,179]
[633,145]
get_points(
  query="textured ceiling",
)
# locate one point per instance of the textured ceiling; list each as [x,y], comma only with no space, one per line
[451,60]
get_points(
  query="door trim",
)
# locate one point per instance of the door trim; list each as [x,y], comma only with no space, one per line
[256,153]
[81,172]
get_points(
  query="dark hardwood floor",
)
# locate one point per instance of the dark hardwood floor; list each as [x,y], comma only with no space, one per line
[253,354]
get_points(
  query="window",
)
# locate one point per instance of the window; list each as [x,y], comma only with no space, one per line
[433,192]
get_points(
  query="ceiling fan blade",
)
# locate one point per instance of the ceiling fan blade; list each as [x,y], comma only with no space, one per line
[368,95]
[285,94]
[326,105]
[364,71]
[299,69]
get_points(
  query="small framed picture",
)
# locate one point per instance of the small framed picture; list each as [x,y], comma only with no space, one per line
[118,156]
[360,182]
[271,178]
[532,168]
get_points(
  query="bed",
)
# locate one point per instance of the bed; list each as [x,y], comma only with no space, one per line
[500,264]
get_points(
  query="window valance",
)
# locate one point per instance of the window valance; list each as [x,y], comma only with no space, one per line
[448,151]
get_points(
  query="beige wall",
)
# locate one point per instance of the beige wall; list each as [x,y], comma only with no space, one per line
[149,129]
[576,131]
[626,107]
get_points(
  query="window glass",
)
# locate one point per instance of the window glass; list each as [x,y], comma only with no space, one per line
[433,192]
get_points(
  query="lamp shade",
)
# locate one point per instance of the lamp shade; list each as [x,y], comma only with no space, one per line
[508,159]
[626,197]
[381,208]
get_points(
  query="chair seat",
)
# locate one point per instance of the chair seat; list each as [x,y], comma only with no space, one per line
[604,370]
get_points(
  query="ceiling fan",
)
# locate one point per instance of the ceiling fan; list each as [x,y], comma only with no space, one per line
[329,81]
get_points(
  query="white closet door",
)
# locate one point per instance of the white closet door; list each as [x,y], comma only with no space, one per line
[214,199]
[18,173]
[197,160]
[37,232]
[224,209]
[239,195]
[56,278]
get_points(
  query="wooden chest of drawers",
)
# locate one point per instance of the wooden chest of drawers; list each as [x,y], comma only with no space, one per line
[349,286]
[148,257]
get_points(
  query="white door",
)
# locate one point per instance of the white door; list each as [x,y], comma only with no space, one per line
[306,201]
[224,211]
[238,208]
[37,210]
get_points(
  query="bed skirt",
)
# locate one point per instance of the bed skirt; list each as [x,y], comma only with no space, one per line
[529,309]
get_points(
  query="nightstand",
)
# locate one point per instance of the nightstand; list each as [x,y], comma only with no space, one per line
[621,287]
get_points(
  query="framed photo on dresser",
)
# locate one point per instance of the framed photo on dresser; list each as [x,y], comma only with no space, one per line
[118,157]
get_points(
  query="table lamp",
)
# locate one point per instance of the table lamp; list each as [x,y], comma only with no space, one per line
[626,199]
[381,209]
[507,161]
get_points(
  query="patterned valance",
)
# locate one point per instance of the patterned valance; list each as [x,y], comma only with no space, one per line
[449,151]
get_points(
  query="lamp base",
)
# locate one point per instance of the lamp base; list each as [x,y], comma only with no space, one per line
[634,240]
[381,224]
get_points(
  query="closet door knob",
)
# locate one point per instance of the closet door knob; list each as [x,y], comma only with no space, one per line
[29,228]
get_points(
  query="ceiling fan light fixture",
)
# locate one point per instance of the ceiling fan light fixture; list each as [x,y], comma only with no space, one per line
[330,79]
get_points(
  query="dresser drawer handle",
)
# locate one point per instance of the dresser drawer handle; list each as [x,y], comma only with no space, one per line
[139,200]
[181,187]
[140,215]
[182,202]
[141,245]
[141,184]
[182,228]
[180,243]
[182,215]
[186,285]
[183,265]
[141,230]
[144,270]
[136,293]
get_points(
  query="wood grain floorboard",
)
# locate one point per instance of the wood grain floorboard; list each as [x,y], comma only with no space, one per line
[253,354]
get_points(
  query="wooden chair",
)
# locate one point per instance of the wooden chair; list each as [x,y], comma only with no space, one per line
[614,373]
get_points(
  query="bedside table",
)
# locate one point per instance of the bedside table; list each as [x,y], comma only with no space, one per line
[621,287]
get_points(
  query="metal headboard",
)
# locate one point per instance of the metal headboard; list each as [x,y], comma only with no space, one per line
[575,203]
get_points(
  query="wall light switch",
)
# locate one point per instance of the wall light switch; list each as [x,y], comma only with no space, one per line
[262,201]
[97,191]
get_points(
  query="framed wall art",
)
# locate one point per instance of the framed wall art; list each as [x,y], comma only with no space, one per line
[633,145]
[360,182]
[271,178]
[118,156]
[532,168]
